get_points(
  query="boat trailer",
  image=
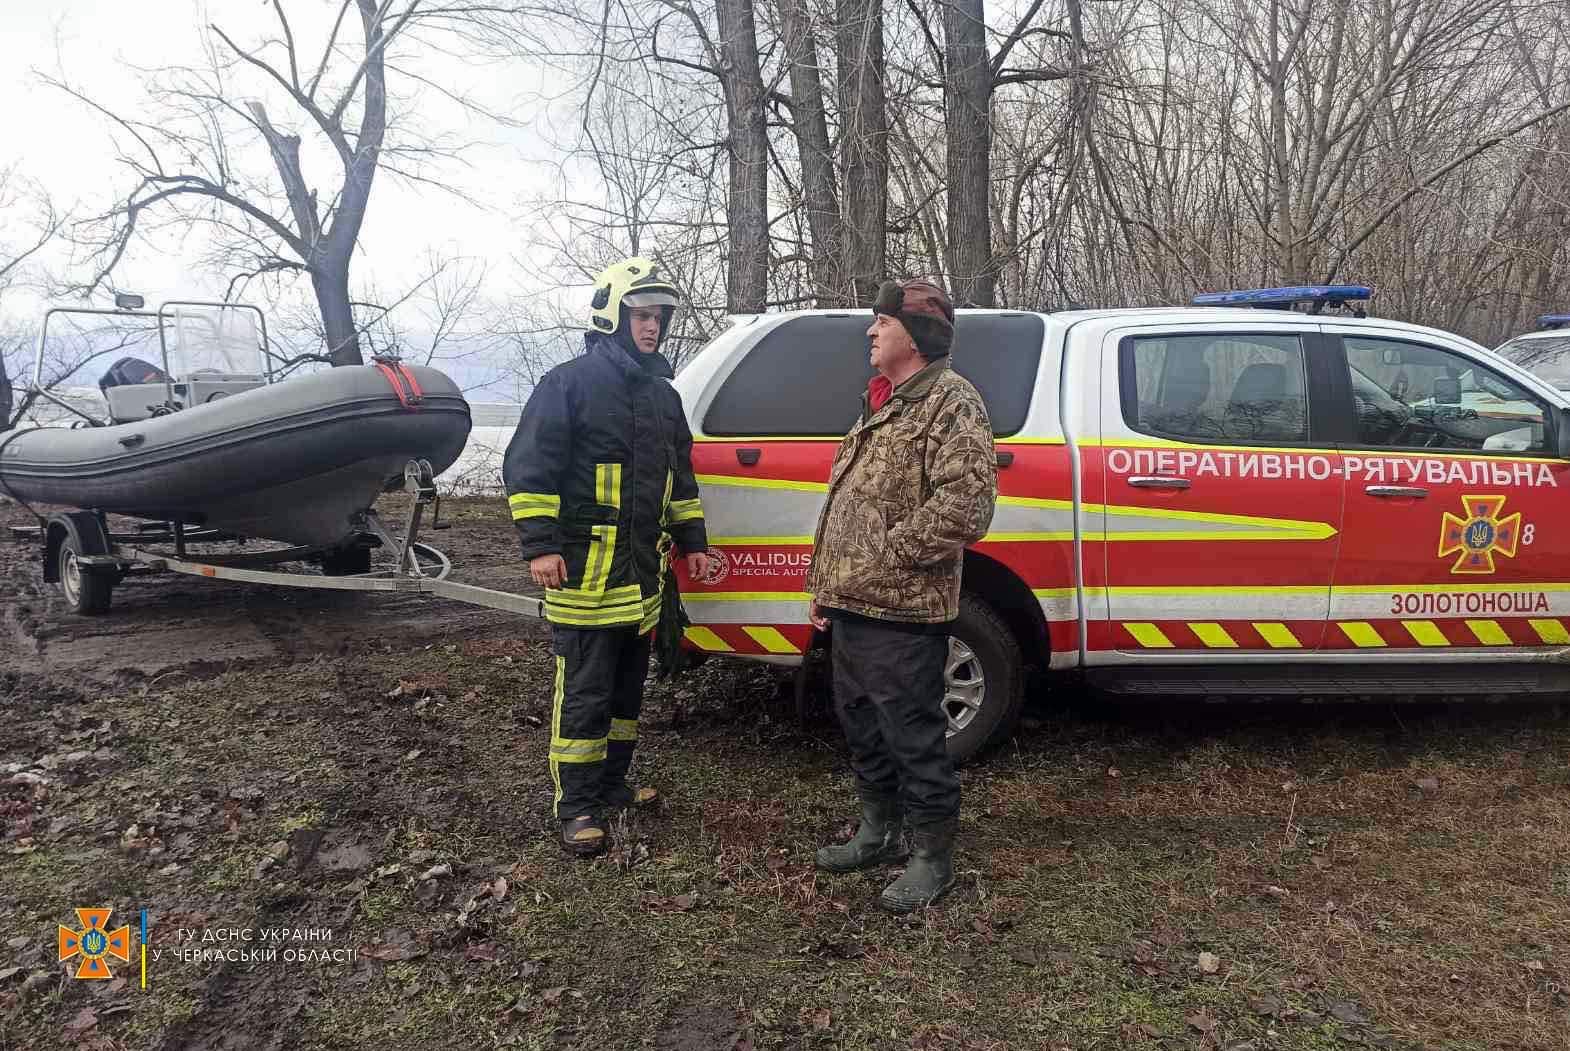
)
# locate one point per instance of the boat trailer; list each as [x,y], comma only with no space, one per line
[86,560]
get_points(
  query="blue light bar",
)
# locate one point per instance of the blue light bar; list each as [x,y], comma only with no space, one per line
[1553,321]
[1334,295]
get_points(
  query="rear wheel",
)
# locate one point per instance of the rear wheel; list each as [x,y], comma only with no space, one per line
[983,680]
[85,591]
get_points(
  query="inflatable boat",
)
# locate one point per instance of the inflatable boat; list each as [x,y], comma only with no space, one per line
[293,461]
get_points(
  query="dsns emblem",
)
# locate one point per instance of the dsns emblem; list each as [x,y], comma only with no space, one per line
[718,568]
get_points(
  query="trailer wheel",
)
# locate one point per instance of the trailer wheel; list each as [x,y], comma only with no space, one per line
[983,680]
[86,592]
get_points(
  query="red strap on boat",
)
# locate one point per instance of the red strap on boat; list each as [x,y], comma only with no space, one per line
[402,382]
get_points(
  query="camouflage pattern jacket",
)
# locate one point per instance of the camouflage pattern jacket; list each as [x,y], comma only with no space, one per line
[911,486]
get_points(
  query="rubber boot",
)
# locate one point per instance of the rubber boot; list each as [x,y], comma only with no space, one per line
[878,841]
[584,836]
[625,797]
[930,874]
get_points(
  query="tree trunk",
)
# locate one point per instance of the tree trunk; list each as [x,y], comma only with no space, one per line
[5,396]
[332,299]
[819,192]
[747,216]
[967,94]
[864,144]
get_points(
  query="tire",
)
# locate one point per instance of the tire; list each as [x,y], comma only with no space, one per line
[85,592]
[346,562]
[984,681]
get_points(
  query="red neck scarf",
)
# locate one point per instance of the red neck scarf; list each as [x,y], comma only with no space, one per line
[879,390]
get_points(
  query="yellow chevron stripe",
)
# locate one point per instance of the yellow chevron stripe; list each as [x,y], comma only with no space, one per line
[770,639]
[1277,635]
[1361,634]
[1213,635]
[1149,636]
[1488,632]
[705,639]
[1551,631]
[1425,633]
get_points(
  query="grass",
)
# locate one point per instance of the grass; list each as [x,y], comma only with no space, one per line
[1390,876]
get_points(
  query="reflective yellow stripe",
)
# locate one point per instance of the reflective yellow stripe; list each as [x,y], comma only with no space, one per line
[624,729]
[602,552]
[1362,634]
[599,618]
[705,639]
[1551,632]
[621,596]
[577,750]
[1426,633]
[558,692]
[607,484]
[763,483]
[1488,632]
[546,500]
[770,639]
[1149,636]
[686,510]
[534,505]
[1277,635]
[1213,635]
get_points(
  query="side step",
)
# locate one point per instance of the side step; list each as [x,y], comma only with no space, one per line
[1310,680]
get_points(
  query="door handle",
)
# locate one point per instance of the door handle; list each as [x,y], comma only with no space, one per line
[748,457]
[1395,490]
[1160,481]
[132,439]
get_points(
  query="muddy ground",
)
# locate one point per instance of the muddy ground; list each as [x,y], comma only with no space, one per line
[356,785]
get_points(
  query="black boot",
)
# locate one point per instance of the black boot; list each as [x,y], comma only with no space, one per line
[878,841]
[930,874]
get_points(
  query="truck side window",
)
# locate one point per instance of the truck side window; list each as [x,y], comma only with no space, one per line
[1412,396]
[1221,387]
[805,378]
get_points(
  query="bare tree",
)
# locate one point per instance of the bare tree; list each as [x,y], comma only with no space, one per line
[189,164]
[864,147]
[32,221]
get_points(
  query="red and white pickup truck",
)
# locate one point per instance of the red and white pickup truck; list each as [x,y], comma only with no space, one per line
[1201,500]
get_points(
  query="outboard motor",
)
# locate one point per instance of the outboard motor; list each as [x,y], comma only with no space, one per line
[130,371]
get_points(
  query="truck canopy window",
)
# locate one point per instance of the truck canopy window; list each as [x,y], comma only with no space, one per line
[1228,388]
[806,377]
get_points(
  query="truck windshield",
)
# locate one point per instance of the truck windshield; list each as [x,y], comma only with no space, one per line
[1546,357]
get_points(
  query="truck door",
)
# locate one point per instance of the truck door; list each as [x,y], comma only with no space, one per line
[1219,501]
[1450,549]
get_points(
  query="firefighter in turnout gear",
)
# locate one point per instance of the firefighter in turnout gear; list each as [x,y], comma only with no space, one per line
[600,484]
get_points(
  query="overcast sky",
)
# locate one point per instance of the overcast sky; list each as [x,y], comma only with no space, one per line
[94,43]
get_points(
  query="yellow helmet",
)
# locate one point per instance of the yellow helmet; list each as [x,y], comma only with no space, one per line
[634,282]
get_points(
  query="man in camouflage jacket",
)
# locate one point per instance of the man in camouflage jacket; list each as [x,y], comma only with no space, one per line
[913,483]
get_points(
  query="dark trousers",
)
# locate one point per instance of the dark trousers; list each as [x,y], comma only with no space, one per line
[888,693]
[594,713]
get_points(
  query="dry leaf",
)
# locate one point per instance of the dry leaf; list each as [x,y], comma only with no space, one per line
[484,951]
[552,997]
[1348,1012]
[1321,862]
[499,888]
[821,1019]
[85,1019]
[1202,1021]
[1428,784]
[436,872]
[1276,892]
[1209,963]
[684,902]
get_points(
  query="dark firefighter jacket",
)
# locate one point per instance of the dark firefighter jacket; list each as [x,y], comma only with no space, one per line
[599,468]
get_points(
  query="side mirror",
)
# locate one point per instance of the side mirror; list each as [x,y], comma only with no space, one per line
[1562,434]
[1447,391]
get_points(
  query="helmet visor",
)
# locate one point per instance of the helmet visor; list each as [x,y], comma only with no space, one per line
[650,299]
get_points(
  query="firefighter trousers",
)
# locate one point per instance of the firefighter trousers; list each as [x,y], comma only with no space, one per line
[888,694]
[594,713]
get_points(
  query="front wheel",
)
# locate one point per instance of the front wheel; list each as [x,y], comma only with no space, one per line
[85,591]
[983,680]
